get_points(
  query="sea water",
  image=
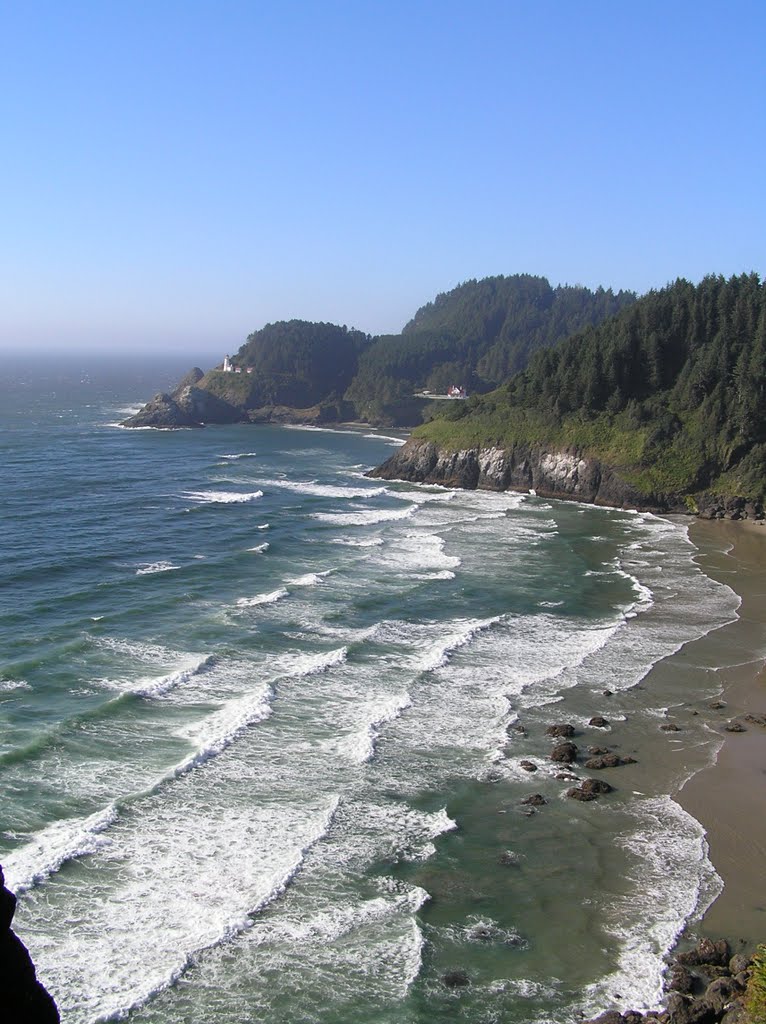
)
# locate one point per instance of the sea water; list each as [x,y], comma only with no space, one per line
[258,758]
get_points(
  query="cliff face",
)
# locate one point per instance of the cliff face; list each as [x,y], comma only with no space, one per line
[23,1000]
[551,473]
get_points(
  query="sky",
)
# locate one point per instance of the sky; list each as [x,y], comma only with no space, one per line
[174,175]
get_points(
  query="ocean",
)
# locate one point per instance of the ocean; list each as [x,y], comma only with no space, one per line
[262,725]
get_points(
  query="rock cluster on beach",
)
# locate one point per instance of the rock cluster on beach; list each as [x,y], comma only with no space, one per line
[23,1000]
[705,985]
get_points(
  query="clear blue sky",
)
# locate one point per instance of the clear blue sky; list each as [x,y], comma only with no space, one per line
[180,173]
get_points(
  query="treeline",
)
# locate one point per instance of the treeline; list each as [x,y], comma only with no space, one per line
[298,363]
[676,384]
[475,335]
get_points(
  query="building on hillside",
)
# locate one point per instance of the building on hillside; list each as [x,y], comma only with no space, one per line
[456,391]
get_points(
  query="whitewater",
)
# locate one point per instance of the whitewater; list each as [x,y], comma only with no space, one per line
[281,780]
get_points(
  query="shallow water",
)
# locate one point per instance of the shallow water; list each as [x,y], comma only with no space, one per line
[257,755]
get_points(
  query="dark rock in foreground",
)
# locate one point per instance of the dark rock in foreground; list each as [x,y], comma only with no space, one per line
[23,1000]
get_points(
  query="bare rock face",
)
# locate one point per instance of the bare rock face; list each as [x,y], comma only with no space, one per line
[551,473]
[23,1000]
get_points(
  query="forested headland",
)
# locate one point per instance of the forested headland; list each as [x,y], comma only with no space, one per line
[670,393]
[667,390]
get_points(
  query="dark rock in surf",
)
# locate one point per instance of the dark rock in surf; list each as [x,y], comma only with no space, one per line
[528,766]
[595,786]
[735,727]
[756,719]
[577,793]
[456,979]
[599,722]
[598,750]
[670,727]
[564,753]
[605,761]
[535,800]
[23,1000]
[563,729]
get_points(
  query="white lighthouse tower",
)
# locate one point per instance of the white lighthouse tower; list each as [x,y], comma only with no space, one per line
[227,367]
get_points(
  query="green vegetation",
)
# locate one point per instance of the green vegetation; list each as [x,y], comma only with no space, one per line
[672,391]
[755,998]
[294,363]
[475,335]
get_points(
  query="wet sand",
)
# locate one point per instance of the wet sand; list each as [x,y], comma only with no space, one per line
[729,797]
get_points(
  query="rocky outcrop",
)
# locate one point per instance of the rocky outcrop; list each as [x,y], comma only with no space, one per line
[548,471]
[23,1000]
[202,398]
[187,406]
[705,985]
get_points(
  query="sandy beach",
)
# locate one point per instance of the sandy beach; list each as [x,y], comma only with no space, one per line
[729,797]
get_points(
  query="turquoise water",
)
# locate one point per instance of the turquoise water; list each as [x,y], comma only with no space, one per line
[257,758]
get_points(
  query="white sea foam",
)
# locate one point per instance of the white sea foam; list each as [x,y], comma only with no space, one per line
[222,497]
[395,442]
[309,664]
[263,526]
[369,518]
[166,909]
[48,849]
[142,650]
[239,455]
[333,923]
[361,745]
[324,490]
[418,552]
[260,548]
[460,632]
[159,685]
[9,685]
[270,598]
[676,880]
[147,568]
[309,579]
[219,730]
[351,542]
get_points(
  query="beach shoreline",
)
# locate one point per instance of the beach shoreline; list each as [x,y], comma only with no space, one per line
[728,796]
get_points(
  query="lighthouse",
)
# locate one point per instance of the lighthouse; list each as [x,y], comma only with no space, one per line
[227,367]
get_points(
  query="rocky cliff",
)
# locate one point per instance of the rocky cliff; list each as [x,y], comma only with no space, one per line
[549,472]
[23,1000]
